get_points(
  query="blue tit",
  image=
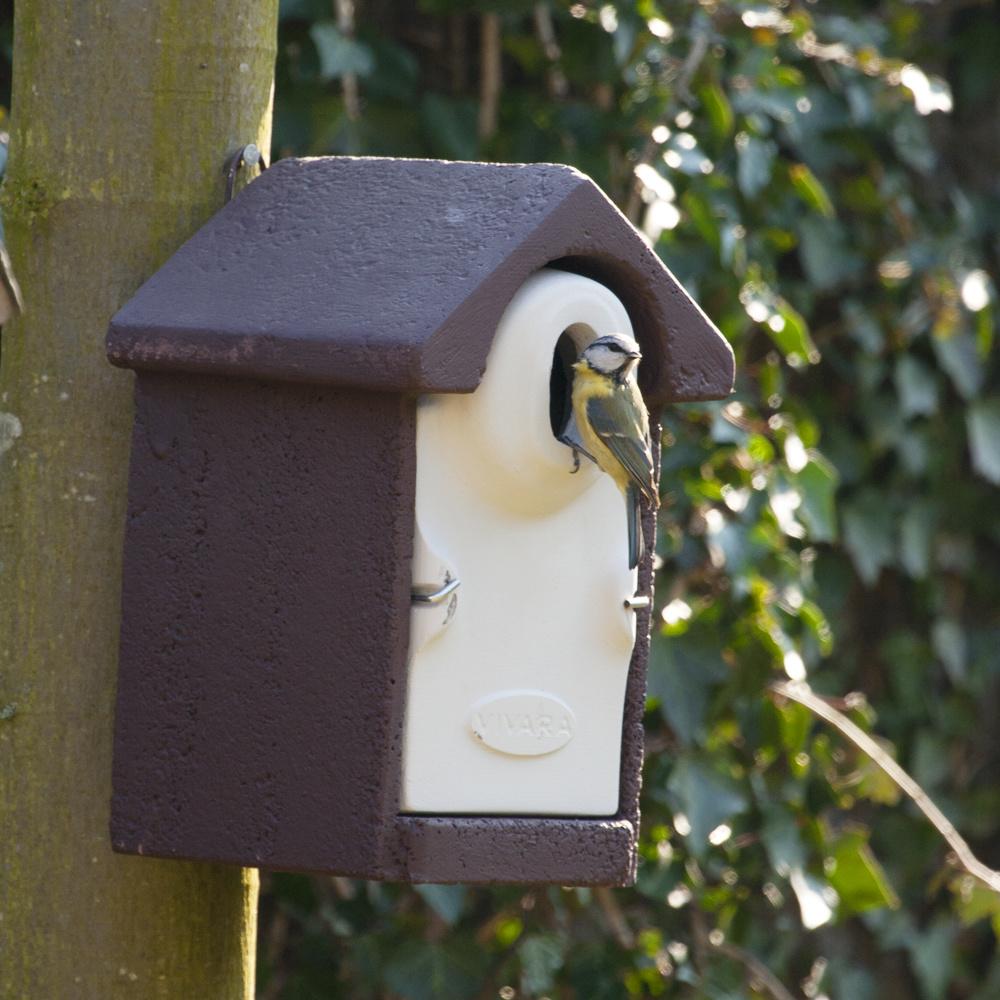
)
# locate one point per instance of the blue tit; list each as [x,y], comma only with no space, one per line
[613,424]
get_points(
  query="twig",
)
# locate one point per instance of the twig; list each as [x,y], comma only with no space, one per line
[349,79]
[615,918]
[964,858]
[757,969]
[699,49]
[558,86]
[759,972]
[490,79]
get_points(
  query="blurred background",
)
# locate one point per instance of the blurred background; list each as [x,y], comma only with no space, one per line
[824,179]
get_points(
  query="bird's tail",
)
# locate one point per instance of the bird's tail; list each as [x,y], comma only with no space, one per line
[635,542]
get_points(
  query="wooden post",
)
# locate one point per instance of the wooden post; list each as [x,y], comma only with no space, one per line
[123,117]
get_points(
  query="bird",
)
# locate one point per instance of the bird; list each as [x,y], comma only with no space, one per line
[613,425]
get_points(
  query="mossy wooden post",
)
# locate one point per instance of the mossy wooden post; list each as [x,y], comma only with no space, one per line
[123,116]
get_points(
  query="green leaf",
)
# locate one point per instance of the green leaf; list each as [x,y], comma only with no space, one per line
[868,535]
[541,958]
[782,840]
[450,126]
[931,955]
[810,190]
[949,642]
[754,162]
[445,900]
[682,671]
[983,424]
[860,881]
[790,334]
[959,357]
[826,256]
[817,482]
[916,532]
[337,54]
[420,971]
[716,104]
[973,901]
[707,797]
[916,386]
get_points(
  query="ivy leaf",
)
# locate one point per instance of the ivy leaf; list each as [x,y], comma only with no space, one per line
[817,482]
[983,424]
[445,900]
[810,190]
[707,797]
[716,104]
[916,386]
[931,955]
[682,671]
[858,878]
[754,162]
[789,331]
[421,971]
[450,126]
[868,535]
[959,357]
[541,958]
[338,54]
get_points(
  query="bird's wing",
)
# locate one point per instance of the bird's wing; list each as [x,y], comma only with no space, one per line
[618,426]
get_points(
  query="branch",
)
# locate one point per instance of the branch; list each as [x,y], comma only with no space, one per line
[348,80]
[964,858]
[558,86]
[757,969]
[490,79]
[615,918]
[759,972]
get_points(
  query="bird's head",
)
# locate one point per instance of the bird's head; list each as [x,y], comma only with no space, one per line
[613,356]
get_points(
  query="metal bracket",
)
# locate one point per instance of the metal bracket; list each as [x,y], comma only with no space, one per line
[638,602]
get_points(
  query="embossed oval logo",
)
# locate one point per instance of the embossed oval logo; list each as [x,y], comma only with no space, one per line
[523,723]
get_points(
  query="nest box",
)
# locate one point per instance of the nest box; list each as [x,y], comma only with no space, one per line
[372,624]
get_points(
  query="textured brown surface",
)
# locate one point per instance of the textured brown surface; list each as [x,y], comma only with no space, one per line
[393,274]
[266,595]
[266,599]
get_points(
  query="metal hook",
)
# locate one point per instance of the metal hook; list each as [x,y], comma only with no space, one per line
[249,156]
[421,593]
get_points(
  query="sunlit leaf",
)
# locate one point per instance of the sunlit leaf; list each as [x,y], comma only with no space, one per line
[810,190]
[854,872]
[716,105]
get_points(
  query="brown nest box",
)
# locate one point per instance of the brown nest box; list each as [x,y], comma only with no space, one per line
[273,664]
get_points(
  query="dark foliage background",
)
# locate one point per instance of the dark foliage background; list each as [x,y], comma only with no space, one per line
[823,177]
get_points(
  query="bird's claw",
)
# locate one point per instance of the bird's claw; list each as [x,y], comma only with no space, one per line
[576,462]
